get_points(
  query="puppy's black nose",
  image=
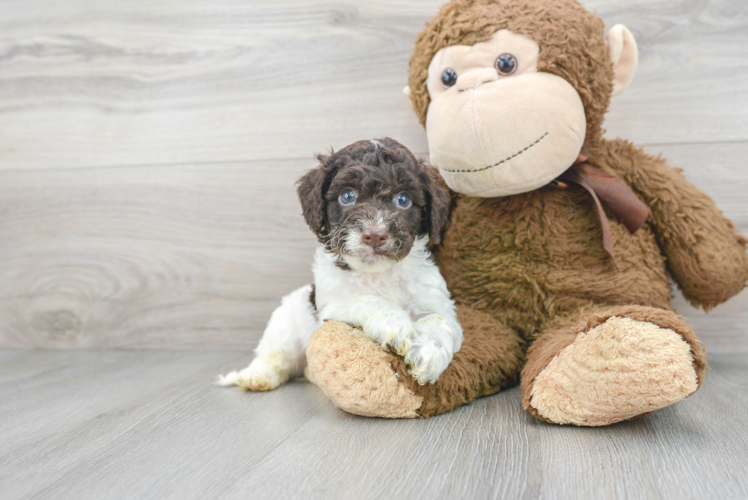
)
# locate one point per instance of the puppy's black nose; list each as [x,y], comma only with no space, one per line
[374,236]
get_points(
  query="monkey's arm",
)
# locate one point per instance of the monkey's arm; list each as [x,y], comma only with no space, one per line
[705,254]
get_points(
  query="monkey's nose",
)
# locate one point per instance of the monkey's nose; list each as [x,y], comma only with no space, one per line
[374,236]
[476,78]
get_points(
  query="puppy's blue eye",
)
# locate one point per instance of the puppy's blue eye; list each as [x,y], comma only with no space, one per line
[348,197]
[403,200]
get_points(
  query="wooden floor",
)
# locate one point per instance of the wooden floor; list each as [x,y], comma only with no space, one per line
[123,424]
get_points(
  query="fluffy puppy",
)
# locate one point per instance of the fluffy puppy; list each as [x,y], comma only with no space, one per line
[375,209]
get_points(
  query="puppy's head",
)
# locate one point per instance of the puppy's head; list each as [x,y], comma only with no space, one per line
[369,202]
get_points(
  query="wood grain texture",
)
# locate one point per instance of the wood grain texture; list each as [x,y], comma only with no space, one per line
[149,425]
[107,83]
[148,150]
[149,257]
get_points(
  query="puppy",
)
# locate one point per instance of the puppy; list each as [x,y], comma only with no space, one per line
[375,209]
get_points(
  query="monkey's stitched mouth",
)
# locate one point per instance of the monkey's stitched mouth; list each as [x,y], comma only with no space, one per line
[499,163]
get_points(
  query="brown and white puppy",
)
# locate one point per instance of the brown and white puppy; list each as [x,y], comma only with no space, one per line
[374,208]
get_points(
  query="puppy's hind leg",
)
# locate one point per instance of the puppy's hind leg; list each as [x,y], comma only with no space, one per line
[281,353]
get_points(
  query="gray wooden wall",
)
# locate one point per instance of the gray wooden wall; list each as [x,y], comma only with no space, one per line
[148,150]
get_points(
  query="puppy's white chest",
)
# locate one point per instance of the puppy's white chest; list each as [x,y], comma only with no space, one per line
[389,285]
[399,284]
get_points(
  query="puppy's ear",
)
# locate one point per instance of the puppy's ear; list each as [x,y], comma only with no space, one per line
[438,203]
[311,189]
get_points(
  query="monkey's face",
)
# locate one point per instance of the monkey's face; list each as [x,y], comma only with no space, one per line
[495,125]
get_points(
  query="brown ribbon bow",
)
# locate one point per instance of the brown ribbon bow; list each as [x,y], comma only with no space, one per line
[616,194]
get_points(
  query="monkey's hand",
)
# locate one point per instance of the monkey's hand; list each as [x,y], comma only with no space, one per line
[705,254]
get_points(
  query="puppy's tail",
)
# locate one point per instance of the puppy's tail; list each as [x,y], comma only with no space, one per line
[231,378]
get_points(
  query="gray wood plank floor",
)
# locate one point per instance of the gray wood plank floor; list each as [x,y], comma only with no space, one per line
[124,424]
[148,150]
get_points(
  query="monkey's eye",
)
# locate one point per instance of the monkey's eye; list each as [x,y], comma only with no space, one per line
[347,197]
[506,64]
[449,77]
[403,200]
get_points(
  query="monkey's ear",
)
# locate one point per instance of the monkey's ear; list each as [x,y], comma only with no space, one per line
[623,54]
[438,203]
[311,190]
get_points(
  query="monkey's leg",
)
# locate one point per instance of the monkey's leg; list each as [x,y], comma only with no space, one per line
[608,364]
[361,378]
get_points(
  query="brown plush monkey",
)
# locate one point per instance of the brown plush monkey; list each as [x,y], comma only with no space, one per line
[510,91]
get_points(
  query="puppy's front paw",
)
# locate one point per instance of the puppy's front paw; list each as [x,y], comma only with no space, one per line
[427,359]
[430,355]
[391,328]
[258,376]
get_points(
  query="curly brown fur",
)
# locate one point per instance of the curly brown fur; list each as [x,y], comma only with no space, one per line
[525,259]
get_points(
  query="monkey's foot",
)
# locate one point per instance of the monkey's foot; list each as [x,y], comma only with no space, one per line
[619,369]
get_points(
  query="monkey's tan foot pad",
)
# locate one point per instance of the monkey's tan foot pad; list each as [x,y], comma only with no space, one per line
[357,375]
[308,376]
[613,372]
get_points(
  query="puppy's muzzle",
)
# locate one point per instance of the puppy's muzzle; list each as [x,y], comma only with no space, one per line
[374,236]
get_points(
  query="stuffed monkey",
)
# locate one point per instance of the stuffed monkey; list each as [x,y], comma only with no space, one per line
[560,240]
